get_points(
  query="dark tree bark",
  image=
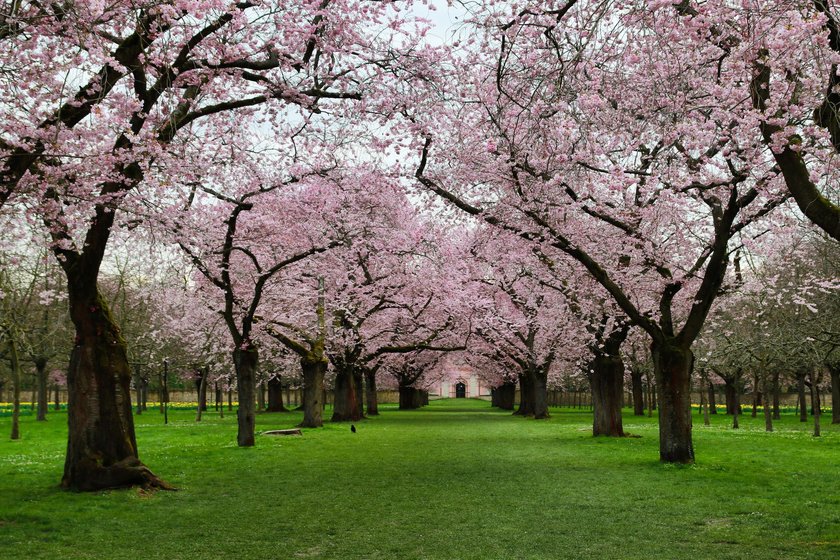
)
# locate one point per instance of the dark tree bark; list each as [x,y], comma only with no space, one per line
[732,392]
[15,365]
[673,362]
[834,370]
[411,398]
[505,395]
[712,403]
[815,394]
[348,389]
[313,392]
[245,359]
[776,397]
[202,393]
[201,386]
[638,392]
[101,447]
[57,394]
[526,395]
[606,380]
[275,394]
[41,378]
[138,389]
[756,396]
[768,414]
[803,407]
[371,398]
[261,397]
[540,393]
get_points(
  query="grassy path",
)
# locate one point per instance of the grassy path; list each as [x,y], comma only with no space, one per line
[456,480]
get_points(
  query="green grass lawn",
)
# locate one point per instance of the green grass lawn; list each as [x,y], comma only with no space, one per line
[454,480]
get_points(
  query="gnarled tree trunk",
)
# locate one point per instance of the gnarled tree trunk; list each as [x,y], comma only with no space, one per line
[245,359]
[101,447]
[313,392]
[673,362]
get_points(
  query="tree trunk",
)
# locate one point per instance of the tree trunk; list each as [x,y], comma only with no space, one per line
[756,396]
[41,378]
[57,403]
[712,403]
[313,392]
[540,393]
[638,393]
[835,393]
[101,447]
[704,404]
[347,407]
[800,385]
[245,359]
[138,389]
[201,385]
[607,383]
[768,413]
[526,394]
[14,362]
[202,395]
[673,362]
[732,396]
[261,397]
[736,407]
[372,402]
[777,415]
[815,395]
[411,398]
[275,394]
[506,395]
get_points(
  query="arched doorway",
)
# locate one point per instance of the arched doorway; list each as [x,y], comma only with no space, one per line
[460,390]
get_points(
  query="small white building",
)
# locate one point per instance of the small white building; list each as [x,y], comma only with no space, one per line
[460,383]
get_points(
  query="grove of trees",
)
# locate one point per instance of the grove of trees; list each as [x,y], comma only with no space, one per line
[638,197]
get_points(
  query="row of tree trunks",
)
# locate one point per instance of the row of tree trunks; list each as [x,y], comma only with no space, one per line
[412,398]
[533,393]
[504,395]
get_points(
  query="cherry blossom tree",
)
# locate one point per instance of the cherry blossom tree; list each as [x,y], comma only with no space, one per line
[99,98]
[633,153]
